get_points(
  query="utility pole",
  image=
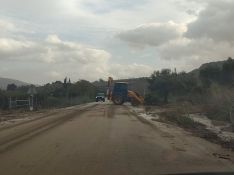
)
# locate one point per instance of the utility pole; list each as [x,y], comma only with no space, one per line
[31,92]
[10,103]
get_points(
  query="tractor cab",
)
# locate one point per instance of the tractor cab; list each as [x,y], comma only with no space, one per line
[120,93]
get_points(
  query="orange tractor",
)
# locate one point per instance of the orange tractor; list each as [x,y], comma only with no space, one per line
[119,93]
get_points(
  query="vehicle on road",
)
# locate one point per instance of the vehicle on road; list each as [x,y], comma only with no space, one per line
[120,93]
[100,97]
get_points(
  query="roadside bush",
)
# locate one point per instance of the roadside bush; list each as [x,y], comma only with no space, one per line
[221,103]
[3,101]
[152,99]
[182,121]
[52,102]
[186,122]
[218,112]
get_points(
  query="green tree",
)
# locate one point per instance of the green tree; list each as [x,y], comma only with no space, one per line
[162,83]
[228,71]
[167,83]
[210,74]
[184,83]
[3,100]
[11,87]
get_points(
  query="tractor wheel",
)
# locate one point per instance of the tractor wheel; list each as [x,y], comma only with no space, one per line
[118,100]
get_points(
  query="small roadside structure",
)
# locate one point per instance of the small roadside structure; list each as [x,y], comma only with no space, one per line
[32,92]
[28,101]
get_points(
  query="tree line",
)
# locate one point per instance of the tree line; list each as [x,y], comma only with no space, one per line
[56,94]
[167,84]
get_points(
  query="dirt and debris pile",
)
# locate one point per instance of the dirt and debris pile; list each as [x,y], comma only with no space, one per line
[219,132]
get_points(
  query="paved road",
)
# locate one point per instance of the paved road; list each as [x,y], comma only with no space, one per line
[109,140]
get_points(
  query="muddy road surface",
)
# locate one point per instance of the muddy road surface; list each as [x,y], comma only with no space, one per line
[104,139]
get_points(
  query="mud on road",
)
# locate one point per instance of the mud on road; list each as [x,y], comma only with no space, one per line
[107,139]
[11,135]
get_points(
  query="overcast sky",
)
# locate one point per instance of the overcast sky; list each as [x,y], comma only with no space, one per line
[47,40]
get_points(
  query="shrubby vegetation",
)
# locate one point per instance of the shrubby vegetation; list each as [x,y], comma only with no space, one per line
[223,75]
[212,86]
[3,100]
[64,94]
[56,94]
[164,84]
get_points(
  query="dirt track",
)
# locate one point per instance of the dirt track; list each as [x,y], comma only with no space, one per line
[104,139]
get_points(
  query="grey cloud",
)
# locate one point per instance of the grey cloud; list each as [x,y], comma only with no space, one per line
[209,37]
[152,34]
[18,49]
[105,6]
[58,58]
[52,50]
[198,49]
[31,6]
[130,71]
[192,12]
[215,22]
[75,21]
[6,26]
[65,51]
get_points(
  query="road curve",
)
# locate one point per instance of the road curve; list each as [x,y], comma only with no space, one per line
[109,140]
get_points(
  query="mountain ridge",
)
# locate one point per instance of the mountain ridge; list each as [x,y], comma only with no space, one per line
[5,81]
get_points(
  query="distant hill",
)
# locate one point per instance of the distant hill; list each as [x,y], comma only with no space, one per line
[218,64]
[5,81]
